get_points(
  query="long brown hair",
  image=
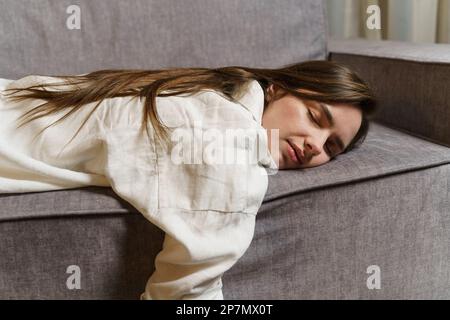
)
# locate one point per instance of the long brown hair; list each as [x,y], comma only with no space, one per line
[326,81]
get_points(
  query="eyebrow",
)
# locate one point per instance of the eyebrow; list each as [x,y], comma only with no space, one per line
[330,120]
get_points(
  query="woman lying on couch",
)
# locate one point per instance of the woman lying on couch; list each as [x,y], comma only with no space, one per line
[88,130]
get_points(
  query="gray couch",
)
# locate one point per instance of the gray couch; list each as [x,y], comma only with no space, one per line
[318,231]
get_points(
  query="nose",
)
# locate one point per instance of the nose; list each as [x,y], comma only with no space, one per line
[314,147]
[311,149]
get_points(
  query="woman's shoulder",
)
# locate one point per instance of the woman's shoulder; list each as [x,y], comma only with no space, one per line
[32,80]
[253,99]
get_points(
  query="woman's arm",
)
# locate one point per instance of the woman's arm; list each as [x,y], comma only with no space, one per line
[198,248]
[199,245]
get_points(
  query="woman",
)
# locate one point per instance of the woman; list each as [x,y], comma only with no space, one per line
[308,113]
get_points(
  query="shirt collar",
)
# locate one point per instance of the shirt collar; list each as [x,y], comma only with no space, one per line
[266,160]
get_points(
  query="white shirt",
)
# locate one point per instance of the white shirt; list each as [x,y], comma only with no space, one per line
[207,210]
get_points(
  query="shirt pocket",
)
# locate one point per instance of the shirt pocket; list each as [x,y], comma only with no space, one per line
[130,166]
[203,186]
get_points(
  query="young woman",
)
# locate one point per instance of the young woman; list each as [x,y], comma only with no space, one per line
[125,129]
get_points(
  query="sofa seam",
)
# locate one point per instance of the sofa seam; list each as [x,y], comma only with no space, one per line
[358,180]
[403,59]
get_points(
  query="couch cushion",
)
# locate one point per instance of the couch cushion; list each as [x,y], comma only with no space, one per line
[156,34]
[320,244]
[385,152]
[410,81]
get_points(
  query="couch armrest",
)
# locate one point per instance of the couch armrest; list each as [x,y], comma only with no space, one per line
[411,82]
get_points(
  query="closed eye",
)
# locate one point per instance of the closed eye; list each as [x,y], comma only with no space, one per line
[313,118]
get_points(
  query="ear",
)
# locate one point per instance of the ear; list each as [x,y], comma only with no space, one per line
[271,90]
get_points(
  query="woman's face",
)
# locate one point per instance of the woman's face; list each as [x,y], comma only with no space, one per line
[315,143]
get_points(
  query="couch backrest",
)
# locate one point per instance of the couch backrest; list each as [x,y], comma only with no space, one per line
[35,37]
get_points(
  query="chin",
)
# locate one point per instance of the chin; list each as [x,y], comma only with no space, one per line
[284,163]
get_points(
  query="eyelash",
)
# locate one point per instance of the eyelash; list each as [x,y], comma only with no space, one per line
[327,149]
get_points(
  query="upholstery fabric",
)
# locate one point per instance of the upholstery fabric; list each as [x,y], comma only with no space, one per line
[384,152]
[318,230]
[319,244]
[153,34]
[411,82]
[313,240]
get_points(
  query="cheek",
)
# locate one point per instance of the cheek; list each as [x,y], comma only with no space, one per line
[293,120]
[318,160]
[290,111]
[287,117]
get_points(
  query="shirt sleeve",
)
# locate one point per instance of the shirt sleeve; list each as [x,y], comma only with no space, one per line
[207,211]
[198,248]
[199,245]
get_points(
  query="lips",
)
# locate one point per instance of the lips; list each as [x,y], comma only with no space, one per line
[298,152]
